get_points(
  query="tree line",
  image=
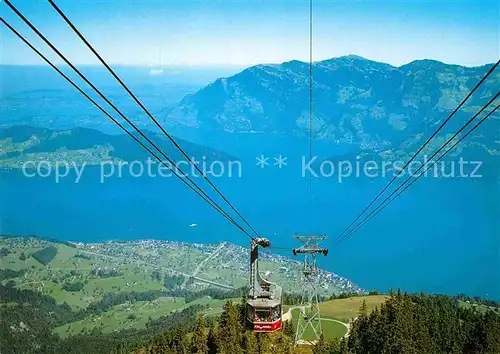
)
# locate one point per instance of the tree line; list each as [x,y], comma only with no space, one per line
[227,335]
[417,323]
[423,324]
[10,273]
[25,312]
[477,300]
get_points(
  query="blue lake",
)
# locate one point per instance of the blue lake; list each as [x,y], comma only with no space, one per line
[441,236]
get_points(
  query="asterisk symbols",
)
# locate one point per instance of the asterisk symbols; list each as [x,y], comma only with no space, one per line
[262,161]
[280,161]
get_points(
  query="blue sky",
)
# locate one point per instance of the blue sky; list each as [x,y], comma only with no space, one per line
[243,32]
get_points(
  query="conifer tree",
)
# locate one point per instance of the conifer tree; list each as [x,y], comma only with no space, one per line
[199,341]
[212,340]
[343,347]
[320,346]
[251,346]
[243,311]
[363,310]
[288,329]
[229,336]
[491,331]
[281,344]
[264,343]
[178,343]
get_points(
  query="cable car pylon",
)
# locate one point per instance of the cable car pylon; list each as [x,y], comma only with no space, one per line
[309,313]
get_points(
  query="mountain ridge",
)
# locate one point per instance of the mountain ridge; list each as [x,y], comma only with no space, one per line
[20,142]
[355,57]
[355,100]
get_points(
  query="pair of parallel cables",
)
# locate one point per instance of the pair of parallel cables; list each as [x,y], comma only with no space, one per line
[348,232]
[159,153]
[357,224]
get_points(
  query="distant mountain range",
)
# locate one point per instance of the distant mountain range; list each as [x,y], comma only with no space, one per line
[360,108]
[38,96]
[355,101]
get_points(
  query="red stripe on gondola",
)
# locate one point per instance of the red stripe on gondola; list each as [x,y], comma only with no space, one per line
[267,326]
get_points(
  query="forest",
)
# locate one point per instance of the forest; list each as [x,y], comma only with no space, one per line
[432,324]
[405,323]
[424,324]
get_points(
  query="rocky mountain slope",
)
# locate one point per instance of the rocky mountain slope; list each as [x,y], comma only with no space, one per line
[355,101]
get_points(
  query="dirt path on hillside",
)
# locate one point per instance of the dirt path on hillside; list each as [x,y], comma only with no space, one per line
[287,316]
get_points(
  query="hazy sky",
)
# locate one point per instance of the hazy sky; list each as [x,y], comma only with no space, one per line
[252,32]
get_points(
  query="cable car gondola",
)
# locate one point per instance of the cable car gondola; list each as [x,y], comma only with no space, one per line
[264,298]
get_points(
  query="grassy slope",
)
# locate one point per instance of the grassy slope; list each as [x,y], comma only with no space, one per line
[117,318]
[330,329]
[42,278]
[134,277]
[342,310]
[345,309]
